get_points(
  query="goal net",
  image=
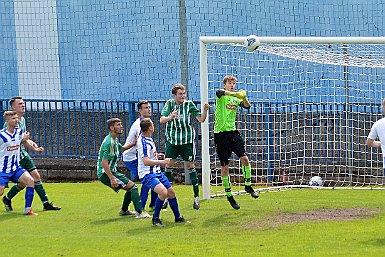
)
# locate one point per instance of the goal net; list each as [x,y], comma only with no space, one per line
[313,102]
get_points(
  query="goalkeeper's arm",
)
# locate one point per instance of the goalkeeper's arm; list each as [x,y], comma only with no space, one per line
[241,94]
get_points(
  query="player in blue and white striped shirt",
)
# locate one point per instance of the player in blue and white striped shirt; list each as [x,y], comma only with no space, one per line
[10,169]
[151,175]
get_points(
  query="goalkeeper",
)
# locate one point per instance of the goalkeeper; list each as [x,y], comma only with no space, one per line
[227,138]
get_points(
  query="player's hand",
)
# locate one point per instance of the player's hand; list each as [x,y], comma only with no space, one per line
[26,136]
[160,156]
[206,107]
[241,94]
[166,161]
[173,114]
[114,182]
[39,149]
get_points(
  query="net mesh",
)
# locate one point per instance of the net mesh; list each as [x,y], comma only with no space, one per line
[312,109]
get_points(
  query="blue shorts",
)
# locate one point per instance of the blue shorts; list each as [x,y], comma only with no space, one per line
[152,180]
[12,176]
[133,167]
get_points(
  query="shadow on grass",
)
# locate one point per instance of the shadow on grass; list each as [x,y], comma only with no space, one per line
[110,220]
[4,216]
[376,242]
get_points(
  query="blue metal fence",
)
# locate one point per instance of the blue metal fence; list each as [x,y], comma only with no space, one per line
[75,129]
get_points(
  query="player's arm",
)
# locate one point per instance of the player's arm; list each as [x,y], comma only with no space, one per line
[107,170]
[149,162]
[32,146]
[169,117]
[202,117]
[373,143]
[128,146]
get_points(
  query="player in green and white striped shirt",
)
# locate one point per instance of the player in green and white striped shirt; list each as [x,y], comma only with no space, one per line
[180,134]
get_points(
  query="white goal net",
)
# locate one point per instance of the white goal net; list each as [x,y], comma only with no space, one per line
[313,102]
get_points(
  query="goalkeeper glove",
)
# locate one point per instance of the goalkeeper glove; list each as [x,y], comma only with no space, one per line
[241,94]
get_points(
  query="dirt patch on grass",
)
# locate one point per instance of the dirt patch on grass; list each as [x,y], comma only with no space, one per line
[315,215]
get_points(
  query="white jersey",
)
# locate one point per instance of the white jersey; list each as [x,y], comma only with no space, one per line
[135,131]
[378,130]
[10,149]
[146,148]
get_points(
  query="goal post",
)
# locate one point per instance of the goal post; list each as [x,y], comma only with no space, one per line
[313,100]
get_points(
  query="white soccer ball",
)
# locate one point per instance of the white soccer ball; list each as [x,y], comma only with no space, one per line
[316,181]
[252,42]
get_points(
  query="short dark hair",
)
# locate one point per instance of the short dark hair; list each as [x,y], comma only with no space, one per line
[111,122]
[145,124]
[140,103]
[176,87]
[13,99]
[7,114]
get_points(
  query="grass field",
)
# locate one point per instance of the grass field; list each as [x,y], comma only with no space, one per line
[276,224]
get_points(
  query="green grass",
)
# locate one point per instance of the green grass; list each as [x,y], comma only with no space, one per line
[89,225]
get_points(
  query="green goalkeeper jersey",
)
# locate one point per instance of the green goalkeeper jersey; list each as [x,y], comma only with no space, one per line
[21,124]
[179,130]
[110,150]
[225,113]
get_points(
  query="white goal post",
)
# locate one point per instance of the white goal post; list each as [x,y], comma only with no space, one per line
[314,100]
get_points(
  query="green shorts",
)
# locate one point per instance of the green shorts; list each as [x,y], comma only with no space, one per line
[186,151]
[122,180]
[27,163]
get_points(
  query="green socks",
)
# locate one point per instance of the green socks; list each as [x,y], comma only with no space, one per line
[136,199]
[13,191]
[226,185]
[126,201]
[194,181]
[246,170]
[41,192]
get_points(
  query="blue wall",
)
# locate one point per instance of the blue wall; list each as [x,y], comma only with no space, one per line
[128,50]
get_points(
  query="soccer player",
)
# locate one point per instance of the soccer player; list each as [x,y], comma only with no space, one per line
[180,134]
[109,154]
[130,156]
[11,137]
[151,176]
[18,105]
[227,139]
[378,131]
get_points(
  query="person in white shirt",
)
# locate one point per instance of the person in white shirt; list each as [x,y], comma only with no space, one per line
[378,131]
[130,156]
[151,175]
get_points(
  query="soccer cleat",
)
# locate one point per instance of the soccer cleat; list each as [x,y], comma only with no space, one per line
[251,191]
[233,203]
[142,215]
[51,207]
[182,220]
[165,204]
[7,204]
[157,222]
[125,213]
[30,213]
[197,203]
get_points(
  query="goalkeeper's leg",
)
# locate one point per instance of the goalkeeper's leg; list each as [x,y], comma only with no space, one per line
[227,186]
[246,170]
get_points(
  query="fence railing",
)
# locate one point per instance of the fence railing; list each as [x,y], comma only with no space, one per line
[76,128]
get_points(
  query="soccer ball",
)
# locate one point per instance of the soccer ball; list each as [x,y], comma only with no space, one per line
[252,42]
[316,181]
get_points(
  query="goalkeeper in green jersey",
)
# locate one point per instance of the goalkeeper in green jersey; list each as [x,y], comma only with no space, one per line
[227,139]
[180,134]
